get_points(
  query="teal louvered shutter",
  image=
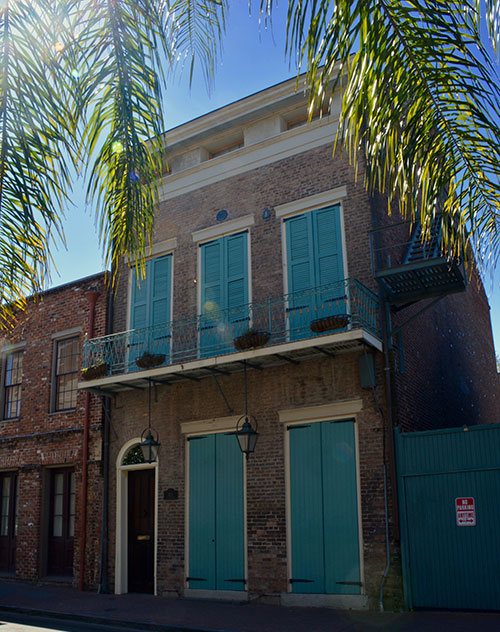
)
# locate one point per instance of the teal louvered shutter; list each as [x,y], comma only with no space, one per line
[230,562]
[139,316]
[202,547]
[224,293]
[340,503]
[314,260]
[212,296]
[300,262]
[329,265]
[150,310]
[160,272]
[306,509]
[236,265]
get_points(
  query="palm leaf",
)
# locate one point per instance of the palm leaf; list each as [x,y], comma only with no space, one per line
[420,103]
[34,136]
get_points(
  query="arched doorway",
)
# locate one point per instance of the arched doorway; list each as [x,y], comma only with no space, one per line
[136,521]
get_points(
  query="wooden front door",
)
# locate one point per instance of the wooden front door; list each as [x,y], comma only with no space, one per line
[7,522]
[141,509]
[61,522]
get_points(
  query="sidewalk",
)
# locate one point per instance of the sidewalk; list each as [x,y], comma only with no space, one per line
[188,615]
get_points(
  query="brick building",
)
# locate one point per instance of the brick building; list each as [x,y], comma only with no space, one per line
[262,240]
[50,439]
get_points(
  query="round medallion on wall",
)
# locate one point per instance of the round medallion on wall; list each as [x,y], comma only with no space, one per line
[222,215]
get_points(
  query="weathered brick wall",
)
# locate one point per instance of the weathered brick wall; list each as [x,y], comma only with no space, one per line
[270,390]
[450,376]
[289,179]
[40,439]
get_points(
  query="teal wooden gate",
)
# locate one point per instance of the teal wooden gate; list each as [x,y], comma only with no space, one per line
[451,558]
[324,509]
[216,513]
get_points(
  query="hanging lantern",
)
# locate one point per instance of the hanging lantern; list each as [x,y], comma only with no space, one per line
[150,439]
[150,444]
[247,435]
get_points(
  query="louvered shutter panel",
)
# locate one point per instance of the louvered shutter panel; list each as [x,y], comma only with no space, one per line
[160,308]
[212,296]
[236,280]
[328,261]
[139,316]
[300,264]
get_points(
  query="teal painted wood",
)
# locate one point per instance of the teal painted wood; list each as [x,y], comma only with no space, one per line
[445,565]
[150,310]
[314,259]
[340,508]
[202,494]
[324,509]
[224,293]
[306,509]
[216,514]
[229,529]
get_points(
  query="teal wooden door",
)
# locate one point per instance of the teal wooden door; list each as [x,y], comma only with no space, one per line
[315,269]
[216,514]
[150,310]
[324,509]
[224,311]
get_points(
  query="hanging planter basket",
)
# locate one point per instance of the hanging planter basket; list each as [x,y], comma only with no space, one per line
[95,371]
[150,360]
[251,339]
[327,323]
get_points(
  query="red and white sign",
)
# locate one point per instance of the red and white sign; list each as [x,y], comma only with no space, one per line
[465,509]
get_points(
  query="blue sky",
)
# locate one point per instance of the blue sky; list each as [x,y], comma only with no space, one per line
[252,59]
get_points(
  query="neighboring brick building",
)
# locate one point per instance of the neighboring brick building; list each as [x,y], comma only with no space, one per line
[45,424]
[260,228]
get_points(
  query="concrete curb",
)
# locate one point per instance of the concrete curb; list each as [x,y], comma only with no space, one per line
[138,625]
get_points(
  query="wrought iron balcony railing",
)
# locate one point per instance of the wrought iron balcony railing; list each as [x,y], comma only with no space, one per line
[299,315]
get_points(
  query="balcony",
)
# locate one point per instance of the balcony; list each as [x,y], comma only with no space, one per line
[325,320]
[411,269]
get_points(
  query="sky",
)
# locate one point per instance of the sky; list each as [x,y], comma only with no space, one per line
[253,58]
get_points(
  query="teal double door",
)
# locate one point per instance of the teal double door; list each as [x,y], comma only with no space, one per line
[324,524]
[216,556]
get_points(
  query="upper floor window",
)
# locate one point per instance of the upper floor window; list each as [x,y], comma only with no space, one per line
[224,292]
[315,268]
[13,376]
[150,311]
[67,355]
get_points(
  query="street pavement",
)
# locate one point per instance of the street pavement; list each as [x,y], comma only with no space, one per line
[64,609]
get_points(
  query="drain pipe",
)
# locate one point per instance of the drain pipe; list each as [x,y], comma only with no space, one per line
[106,408]
[92,297]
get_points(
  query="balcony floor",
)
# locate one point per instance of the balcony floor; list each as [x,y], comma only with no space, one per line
[269,356]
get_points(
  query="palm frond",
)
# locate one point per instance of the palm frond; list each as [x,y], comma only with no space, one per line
[121,46]
[196,27]
[34,136]
[420,101]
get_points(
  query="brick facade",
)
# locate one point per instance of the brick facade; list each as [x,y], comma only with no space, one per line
[39,439]
[447,378]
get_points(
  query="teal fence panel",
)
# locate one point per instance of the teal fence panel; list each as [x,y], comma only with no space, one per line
[450,558]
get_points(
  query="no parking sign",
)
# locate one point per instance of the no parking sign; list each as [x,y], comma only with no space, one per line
[465,509]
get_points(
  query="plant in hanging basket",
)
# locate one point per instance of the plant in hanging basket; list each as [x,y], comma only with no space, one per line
[95,371]
[150,360]
[327,323]
[251,339]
